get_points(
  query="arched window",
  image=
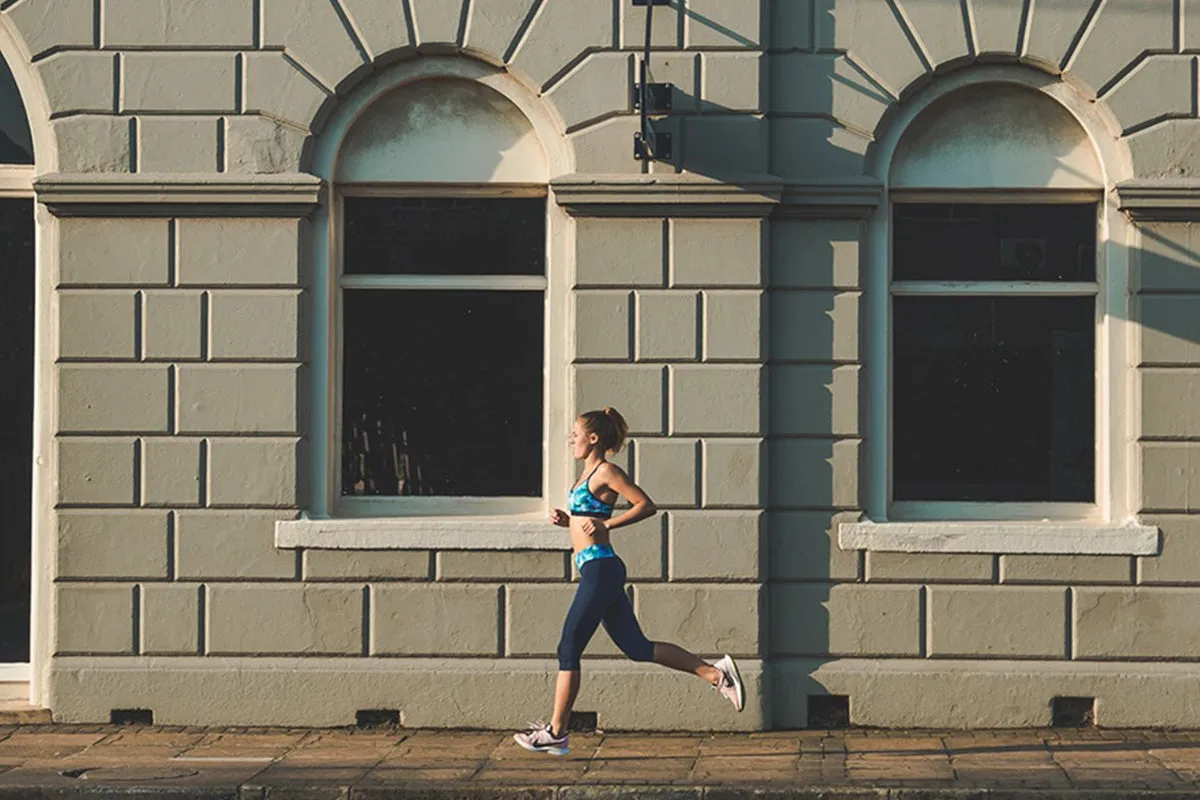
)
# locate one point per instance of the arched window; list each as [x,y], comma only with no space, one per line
[432,384]
[997,311]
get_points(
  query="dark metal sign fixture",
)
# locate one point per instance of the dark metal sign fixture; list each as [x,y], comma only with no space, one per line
[650,98]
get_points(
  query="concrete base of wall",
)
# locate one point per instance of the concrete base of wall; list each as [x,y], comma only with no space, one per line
[428,692]
[912,693]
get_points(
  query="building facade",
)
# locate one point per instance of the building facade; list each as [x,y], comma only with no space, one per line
[301,298]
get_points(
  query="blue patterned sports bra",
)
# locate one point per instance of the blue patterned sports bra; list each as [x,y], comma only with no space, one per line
[582,503]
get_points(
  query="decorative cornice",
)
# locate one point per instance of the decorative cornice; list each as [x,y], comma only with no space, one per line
[668,194]
[849,198]
[162,195]
[700,196]
[1163,200]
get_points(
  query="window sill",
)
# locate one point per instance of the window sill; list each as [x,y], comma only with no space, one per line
[1043,537]
[517,532]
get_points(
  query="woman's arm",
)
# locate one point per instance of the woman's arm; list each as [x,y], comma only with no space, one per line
[641,506]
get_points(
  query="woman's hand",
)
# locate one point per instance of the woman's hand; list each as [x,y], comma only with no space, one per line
[593,527]
[559,517]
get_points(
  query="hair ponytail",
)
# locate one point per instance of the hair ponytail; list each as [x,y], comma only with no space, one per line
[608,425]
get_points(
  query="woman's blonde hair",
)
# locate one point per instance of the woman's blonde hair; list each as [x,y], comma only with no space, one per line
[608,425]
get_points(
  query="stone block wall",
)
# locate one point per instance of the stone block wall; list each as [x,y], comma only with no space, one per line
[732,339]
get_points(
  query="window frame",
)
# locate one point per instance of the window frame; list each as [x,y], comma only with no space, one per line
[383,506]
[959,511]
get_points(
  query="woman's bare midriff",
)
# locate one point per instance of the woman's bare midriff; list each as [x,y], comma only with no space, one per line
[581,540]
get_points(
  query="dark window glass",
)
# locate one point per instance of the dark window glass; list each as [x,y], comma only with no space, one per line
[445,236]
[16,436]
[975,242]
[994,398]
[442,393]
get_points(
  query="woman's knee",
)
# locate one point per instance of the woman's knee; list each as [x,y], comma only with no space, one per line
[569,653]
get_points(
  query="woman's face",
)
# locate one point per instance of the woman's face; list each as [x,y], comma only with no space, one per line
[581,440]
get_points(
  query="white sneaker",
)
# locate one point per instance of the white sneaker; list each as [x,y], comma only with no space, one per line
[540,739]
[730,686]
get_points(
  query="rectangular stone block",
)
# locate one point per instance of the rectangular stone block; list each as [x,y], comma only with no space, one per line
[724,23]
[230,545]
[54,23]
[666,470]
[733,326]
[93,471]
[186,144]
[93,144]
[974,621]
[706,151]
[197,82]
[734,473]
[1179,560]
[252,472]
[804,149]
[1065,569]
[815,254]
[362,565]
[814,326]
[285,619]
[1170,476]
[112,544]
[636,391]
[716,545]
[814,473]
[707,619]
[535,565]
[247,398]
[791,25]
[666,326]
[178,23]
[93,619]
[605,148]
[619,252]
[1142,623]
[603,325]
[254,325]
[97,324]
[734,81]
[803,547]
[845,620]
[679,70]
[171,321]
[717,252]
[928,567]
[1169,259]
[666,27]
[717,399]
[1170,403]
[1170,329]
[534,621]
[103,398]
[643,549]
[595,89]
[216,252]
[814,399]
[171,472]
[79,82]
[256,145]
[277,89]
[170,624]
[432,619]
[107,251]
[494,24]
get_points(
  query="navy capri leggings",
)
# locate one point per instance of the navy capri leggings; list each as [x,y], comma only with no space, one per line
[601,598]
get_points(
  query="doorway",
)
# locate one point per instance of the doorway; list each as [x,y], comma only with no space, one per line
[16,426]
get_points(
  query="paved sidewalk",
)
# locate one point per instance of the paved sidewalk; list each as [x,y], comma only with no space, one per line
[59,761]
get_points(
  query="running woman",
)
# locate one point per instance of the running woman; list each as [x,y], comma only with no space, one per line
[601,598]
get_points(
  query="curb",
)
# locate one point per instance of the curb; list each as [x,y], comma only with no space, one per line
[598,792]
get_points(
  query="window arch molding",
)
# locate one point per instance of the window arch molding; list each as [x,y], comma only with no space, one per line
[1109,527]
[325,154]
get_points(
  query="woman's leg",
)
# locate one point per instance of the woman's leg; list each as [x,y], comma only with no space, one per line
[622,626]
[583,618]
[566,689]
